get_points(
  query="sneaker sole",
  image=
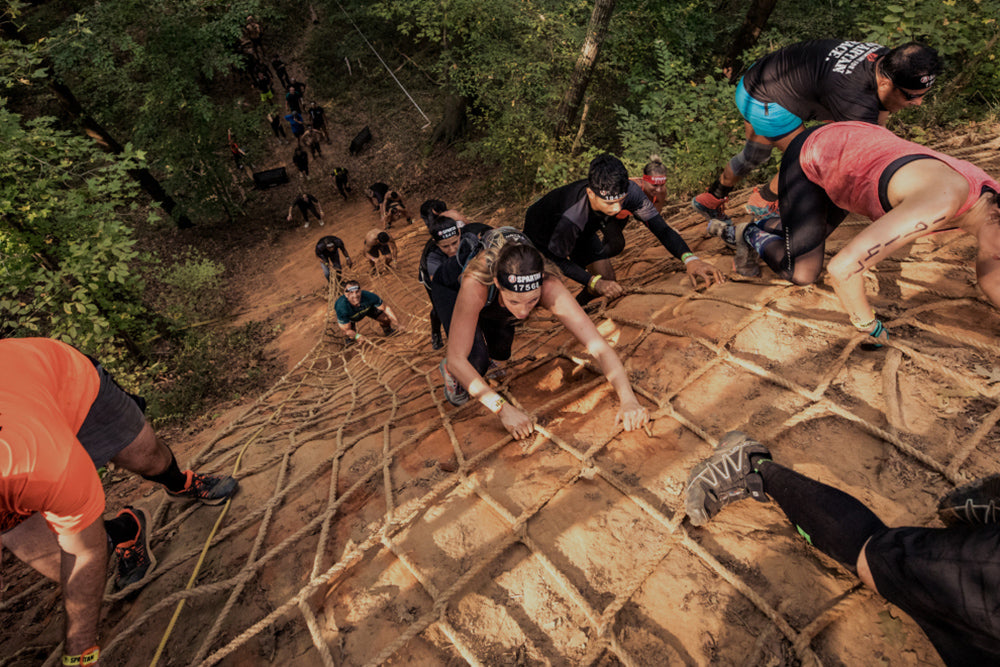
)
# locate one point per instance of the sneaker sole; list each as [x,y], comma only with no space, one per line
[694,494]
[745,262]
[709,213]
[454,399]
[710,234]
[149,552]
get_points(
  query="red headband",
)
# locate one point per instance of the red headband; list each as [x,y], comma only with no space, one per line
[654,180]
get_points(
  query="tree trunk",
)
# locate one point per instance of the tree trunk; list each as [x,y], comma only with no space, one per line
[453,123]
[747,36]
[146,180]
[596,32]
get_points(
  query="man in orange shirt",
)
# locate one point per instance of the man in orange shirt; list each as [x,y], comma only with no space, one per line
[61,418]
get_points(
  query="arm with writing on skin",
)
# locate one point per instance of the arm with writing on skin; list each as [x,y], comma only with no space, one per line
[924,199]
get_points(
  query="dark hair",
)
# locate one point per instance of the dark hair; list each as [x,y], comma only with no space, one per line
[440,224]
[383,237]
[519,259]
[435,206]
[654,167]
[352,282]
[607,176]
[912,65]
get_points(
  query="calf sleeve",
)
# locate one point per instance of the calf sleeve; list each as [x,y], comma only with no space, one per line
[832,521]
[752,156]
[718,190]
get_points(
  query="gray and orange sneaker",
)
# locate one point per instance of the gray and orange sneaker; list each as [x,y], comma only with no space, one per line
[453,391]
[207,489]
[712,207]
[135,560]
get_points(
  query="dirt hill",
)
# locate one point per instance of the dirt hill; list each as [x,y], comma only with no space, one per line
[377,524]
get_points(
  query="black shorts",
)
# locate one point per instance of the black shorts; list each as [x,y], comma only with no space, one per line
[948,580]
[592,247]
[113,422]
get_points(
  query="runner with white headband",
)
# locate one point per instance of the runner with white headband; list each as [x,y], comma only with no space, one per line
[479,306]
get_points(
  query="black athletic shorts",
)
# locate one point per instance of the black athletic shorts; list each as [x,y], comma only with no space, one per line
[948,580]
[593,247]
[114,421]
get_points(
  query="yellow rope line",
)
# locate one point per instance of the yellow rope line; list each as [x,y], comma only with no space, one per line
[201,559]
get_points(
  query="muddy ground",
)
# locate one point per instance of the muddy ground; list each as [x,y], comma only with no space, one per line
[377,524]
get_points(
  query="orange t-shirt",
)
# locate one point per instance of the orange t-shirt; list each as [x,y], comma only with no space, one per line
[46,390]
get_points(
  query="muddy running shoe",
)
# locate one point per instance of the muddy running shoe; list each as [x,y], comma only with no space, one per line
[976,503]
[723,230]
[436,342]
[453,391]
[746,262]
[208,489]
[724,477]
[711,207]
[759,207]
[495,372]
[135,560]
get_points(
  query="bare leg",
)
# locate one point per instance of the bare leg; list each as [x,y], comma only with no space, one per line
[146,455]
[35,545]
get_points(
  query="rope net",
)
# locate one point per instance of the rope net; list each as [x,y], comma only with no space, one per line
[378,524]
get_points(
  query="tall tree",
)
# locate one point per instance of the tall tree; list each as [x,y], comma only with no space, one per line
[746,37]
[600,19]
[158,79]
[12,32]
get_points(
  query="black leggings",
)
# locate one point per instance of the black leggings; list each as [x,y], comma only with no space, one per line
[808,217]
[435,320]
[493,338]
[834,522]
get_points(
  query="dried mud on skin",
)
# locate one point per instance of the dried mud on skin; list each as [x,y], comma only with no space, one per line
[377,524]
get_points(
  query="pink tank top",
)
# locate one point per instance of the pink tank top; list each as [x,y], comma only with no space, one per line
[847,160]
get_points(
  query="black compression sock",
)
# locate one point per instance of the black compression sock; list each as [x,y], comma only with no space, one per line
[172,477]
[832,521]
[719,190]
[123,528]
[765,193]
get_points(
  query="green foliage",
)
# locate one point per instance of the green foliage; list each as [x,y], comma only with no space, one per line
[504,57]
[208,367]
[161,79]
[66,250]
[193,289]
[964,33]
[691,123]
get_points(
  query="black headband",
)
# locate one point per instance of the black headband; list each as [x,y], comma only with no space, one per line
[609,195]
[913,81]
[519,283]
[444,233]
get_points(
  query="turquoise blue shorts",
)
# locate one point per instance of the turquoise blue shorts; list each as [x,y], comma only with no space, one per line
[768,119]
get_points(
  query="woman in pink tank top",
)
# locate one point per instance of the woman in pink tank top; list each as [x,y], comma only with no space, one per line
[906,189]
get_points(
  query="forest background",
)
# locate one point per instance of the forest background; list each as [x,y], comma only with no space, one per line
[120,208]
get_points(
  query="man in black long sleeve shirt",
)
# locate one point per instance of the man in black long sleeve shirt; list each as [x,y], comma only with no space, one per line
[579,227]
